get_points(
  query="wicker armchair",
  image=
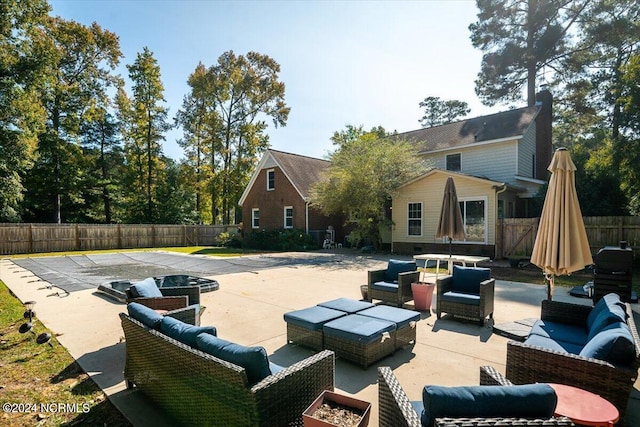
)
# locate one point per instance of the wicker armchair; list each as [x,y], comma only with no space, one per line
[181,302]
[396,409]
[197,389]
[527,363]
[393,293]
[451,300]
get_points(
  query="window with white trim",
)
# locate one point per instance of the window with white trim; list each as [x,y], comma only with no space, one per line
[271,180]
[288,217]
[414,219]
[454,162]
[255,218]
[474,216]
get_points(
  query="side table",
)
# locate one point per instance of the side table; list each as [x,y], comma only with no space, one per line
[583,407]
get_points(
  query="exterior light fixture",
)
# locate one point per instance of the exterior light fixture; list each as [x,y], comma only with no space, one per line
[29,313]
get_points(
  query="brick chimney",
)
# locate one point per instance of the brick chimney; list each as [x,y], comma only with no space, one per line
[544,149]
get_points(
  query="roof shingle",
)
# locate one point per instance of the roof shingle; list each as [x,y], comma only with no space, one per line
[303,171]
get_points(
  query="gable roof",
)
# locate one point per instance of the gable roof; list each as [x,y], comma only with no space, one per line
[493,127]
[301,171]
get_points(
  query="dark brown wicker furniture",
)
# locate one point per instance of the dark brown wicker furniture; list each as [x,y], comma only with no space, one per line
[197,389]
[179,301]
[399,297]
[526,363]
[395,409]
[468,311]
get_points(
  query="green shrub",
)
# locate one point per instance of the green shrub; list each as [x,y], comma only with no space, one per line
[279,240]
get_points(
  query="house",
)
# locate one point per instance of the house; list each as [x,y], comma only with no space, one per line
[498,162]
[278,196]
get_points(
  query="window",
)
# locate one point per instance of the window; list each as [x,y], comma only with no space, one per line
[255,218]
[474,217]
[453,162]
[414,225]
[288,217]
[271,180]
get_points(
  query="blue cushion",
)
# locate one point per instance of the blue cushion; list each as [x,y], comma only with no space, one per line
[613,344]
[560,331]
[604,302]
[254,360]
[522,401]
[146,288]
[399,316]
[385,286]
[461,298]
[145,315]
[361,329]
[396,266]
[467,279]
[612,314]
[347,305]
[312,318]
[184,332]
[550,344]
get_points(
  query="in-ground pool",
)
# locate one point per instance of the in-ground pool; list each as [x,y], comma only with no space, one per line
[116,288]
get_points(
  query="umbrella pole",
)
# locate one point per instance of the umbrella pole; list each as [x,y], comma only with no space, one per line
[449,264]
[549,278]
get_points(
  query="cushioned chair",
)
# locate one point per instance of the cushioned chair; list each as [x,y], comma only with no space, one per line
[467,293]
[393,284]
[183,302]
[496,402]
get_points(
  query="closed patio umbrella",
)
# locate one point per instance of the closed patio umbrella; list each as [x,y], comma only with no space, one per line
[450,224]
[561,246]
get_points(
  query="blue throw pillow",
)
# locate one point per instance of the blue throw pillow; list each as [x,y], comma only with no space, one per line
[612,314]
[145,315]
[467,279]
[606,301]
[614,344]
[146,288]
[254,360]
[522,401]
[396,266]
[184,332]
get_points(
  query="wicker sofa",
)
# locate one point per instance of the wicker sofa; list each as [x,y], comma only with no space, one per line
[397,411]
[182,301]
[393,284]
[560,349]
[195,388]
[467,293]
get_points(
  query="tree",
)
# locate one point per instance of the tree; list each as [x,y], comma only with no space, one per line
[352,133]
[439,112]
[23,54]
[233,98]
[519,38]
[80,63]
[361,179]
[144,122]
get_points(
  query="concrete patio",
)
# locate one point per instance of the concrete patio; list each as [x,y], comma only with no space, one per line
[248,309]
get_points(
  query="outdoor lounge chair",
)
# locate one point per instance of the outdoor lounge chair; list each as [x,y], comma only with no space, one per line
[393,284]
[183,302]
[467,293]
[397,411]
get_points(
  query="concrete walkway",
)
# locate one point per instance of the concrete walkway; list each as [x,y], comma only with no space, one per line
[248,309]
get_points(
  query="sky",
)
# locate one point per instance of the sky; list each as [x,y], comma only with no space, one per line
[343,63]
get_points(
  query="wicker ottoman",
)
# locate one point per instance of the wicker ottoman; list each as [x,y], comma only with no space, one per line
[349,306]
[405,320]
[360,339]
[304,326]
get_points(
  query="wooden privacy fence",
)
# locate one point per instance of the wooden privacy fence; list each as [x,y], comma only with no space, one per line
[35,238]
[515,236]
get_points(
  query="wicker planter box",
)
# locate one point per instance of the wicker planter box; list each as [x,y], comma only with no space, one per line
[359,406]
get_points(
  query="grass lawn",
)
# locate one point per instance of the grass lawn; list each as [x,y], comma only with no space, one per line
[43,385]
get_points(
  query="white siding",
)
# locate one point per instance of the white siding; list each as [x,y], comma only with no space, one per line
[526,152]
[496,161]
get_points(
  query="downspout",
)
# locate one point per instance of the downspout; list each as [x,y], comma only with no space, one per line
[499,189]
[306,217]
